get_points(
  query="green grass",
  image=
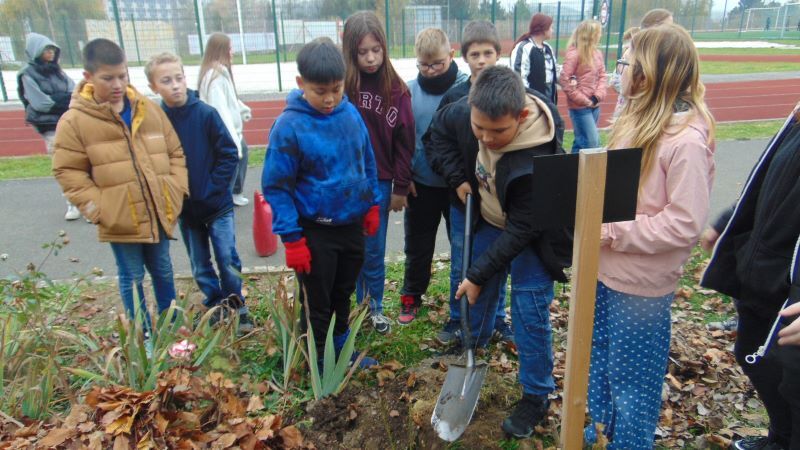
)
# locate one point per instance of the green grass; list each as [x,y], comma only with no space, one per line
[732,67]
[748,51]
[17,167]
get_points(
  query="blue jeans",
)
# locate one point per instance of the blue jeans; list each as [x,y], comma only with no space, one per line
[221,235]
[584,124]
[630,347]
[531,295]
[373,272]
[457,224]
[237,182]
[132,259]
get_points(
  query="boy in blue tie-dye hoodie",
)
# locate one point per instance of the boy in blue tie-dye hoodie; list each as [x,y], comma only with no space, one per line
[321,180]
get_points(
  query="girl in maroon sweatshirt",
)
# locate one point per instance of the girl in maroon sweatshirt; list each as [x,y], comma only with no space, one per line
[384,102]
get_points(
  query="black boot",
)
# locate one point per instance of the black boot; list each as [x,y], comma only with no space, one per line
[530,410]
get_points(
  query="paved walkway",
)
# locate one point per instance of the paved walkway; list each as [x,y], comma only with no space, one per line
[31,214]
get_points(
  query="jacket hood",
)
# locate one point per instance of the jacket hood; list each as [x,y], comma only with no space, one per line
[296,102]
[691,120]
[538,128]
[35,44]
[83,100]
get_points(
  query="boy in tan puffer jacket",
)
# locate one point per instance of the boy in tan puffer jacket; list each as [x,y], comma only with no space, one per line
[118,159]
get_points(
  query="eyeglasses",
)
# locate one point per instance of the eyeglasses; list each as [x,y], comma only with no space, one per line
[622,62]
[434,67]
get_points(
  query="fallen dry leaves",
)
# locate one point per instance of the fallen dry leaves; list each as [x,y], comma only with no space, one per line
[183,412]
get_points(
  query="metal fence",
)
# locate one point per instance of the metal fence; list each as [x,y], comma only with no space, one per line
[272,31]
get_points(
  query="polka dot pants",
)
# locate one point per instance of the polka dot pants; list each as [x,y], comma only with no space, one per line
[630,347]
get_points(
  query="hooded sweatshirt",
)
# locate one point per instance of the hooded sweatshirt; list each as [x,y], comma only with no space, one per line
[536,129]
[211,158]
[645,256]
[319,167]
[507,186]
[43,88]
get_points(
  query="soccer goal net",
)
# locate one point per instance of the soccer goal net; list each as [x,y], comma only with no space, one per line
[762,19]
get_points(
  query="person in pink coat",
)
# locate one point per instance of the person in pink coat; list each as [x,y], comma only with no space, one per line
[584,81]
[641,260]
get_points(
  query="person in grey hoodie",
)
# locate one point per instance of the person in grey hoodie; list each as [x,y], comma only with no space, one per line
[45,90]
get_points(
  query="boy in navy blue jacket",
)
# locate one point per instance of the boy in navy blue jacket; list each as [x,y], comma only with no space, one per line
[211,159]
[321,179]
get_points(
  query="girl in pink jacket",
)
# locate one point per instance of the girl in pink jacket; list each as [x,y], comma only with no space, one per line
[583,79]
[641,260]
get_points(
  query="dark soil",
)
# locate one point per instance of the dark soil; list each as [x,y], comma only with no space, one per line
[396,416]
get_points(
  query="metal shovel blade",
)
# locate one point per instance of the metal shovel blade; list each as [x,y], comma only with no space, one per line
[458,400]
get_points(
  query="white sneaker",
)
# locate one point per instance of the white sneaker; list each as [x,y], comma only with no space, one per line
[381,323]
[240,200]
[73,213]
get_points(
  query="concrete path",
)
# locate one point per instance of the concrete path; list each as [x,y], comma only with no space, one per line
[31,214]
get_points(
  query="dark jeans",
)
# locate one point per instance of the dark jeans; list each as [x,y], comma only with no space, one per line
[422,218]
[241,170]
[337,254]
[221,236]
[132,259]
[531,296]
[776,376]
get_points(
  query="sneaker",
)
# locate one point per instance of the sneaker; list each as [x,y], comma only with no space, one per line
[73,213]
[502,331]
[409,305]
[451,333]
[755,443]
[240,200]
[245,324]
[380,322]
[530,410]
[729,324]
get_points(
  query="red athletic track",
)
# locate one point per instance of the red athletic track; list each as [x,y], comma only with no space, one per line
[753,100]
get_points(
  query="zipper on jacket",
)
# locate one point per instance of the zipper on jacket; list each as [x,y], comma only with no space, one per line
[136,168]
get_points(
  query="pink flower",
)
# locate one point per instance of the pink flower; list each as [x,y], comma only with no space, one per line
[182,349]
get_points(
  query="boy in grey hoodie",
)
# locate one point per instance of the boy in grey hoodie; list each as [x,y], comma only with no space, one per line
[44,90]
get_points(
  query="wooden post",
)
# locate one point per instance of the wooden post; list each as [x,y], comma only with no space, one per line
[585,260]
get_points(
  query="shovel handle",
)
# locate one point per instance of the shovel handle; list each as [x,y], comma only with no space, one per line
[466,335]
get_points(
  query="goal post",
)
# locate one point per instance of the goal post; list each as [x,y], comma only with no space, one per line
[763,19]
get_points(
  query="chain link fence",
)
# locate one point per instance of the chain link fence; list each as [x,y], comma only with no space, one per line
[267,34]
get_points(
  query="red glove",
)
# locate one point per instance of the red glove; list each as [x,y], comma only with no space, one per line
[297,256]
[372,220]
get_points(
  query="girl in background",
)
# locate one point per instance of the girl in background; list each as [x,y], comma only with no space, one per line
[641,260]
[583,79]
[216,87]
[384,102]
[533,58]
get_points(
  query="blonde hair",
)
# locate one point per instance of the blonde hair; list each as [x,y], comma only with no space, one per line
[218,53]
[630,33]
[664,75]
[430,42]
[157,60]
[655,17]
[585,39]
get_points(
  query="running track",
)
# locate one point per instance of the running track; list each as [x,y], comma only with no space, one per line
[754,100]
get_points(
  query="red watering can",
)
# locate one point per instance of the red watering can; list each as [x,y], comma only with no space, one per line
[265,240]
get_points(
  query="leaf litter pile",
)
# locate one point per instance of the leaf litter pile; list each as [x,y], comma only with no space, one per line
[707,401]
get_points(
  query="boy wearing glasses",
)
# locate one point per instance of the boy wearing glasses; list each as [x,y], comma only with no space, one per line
[428,199]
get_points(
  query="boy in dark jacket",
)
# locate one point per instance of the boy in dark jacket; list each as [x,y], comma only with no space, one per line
[755,261]
[211,159]
[480,48]
[512,126]
[321,180]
